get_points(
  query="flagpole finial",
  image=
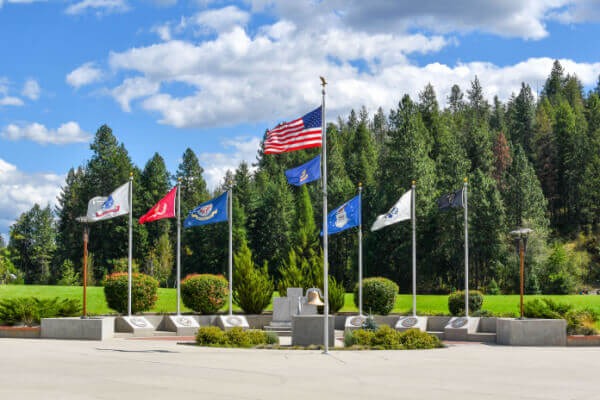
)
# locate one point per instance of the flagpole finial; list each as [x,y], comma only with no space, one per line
[323,83]
[131,175]
[359,184]
[179,179]
[413,182]
[465,180]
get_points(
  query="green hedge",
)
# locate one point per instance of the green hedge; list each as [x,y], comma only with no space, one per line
[379,295]
[204,293]
[456,302]
[579,322]
[144,292]
[235,337]
[31,310]
[389,339]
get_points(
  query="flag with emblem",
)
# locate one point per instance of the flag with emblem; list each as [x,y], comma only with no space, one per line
[451,200]
[165,208]
[346,216]
[399,212]
[308,172]
[301,133]
[210,212]
[117,203]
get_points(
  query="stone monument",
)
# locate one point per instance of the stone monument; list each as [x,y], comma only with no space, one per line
[284,308]
[139,326]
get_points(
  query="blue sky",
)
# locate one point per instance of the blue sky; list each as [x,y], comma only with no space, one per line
[213,75]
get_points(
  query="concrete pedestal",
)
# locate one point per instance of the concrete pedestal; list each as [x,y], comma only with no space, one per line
[227,322]
[459,328]
[308,330]
[354,322]
[139,326]
[182,325]
[531,332]
[78,329]
[410,322]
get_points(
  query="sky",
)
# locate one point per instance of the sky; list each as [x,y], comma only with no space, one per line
[212,75]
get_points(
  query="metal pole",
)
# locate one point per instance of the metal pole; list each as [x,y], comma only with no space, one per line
[230,200]
[466,208]
[414,250]
[85,256]
[360,258]
[178,246]
[521,256]
[130,243]
[325,237]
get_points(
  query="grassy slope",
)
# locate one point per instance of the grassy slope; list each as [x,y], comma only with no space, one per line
[166,299]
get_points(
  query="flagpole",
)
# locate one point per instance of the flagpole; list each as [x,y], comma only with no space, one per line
[325,237]
[360,265]
[130,243]
[178,246]
[230,200]
[466,207]
[414,251]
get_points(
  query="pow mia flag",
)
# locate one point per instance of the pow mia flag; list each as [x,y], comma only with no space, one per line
[451,200]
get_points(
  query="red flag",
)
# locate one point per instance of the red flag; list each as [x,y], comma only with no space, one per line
[165,208]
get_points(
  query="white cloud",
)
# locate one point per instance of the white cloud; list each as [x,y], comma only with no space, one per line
[21,190]
[216,164]
[67,133]
[101,6]
[31,89]
[5,99]
[84,75]
[163,31]
[133,88]
[220,20]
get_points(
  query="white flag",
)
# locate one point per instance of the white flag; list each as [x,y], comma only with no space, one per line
[399,212]
[117,203]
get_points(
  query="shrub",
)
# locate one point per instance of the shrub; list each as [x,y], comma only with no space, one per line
[144,292]
[370,324]
[582,322]
[545,309]
[387,338]
[68,277]
[579,322]
[337,295]
[30,310]
[456,302]
[235,337]
[379,295]
[204,293]
[252,287]
[493,288]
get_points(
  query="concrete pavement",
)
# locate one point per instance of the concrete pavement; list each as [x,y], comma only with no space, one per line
[135,369]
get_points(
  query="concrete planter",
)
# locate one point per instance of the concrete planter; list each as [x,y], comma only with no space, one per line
[531,332]
[19,332]
[583,341]
[308,330]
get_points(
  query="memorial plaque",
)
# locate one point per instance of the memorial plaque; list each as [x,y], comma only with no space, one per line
[182,325]
[227,322]
[137,325]
[411,322]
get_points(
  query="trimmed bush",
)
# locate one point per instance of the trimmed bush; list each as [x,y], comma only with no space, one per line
[252,286]
[493,288]
[456,302]
[379,295]
[579,322]
[387,338]
[144,292]
[31,310]
[204,293]
[235,337]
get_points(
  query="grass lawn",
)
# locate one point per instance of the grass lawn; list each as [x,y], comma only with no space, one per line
[167,298]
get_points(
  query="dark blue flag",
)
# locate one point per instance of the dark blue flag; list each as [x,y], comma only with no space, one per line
[451,200]
[348,215]
[210,212]
[311,171]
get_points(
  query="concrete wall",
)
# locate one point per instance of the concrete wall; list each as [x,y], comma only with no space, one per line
[531,332]
[583,341]
[76,328]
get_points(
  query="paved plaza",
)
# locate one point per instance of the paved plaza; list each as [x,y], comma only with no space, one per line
[150,369]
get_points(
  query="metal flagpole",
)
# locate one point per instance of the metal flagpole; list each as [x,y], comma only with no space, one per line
[466,207]
[230,200]
[414,251]
[360,266]
[178,246]
[130,242]
[325,237]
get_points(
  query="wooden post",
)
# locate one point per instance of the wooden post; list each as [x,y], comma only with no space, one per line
[521,256]
[85,255]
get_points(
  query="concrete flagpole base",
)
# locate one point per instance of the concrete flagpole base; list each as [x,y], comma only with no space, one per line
[411,322]
[227,322]
[139,326]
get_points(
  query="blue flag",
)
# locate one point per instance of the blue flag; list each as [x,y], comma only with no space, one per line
[311,171]
[210,212]
[348,215]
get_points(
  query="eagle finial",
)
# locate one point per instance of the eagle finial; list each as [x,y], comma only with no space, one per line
[323,83]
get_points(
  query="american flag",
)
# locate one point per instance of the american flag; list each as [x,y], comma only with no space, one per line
[301,133]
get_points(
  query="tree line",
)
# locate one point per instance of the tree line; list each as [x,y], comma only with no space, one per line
[532,161]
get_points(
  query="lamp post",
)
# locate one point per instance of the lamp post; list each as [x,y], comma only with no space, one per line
[521,239]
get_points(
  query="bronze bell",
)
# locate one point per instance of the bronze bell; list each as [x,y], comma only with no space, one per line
[314,299]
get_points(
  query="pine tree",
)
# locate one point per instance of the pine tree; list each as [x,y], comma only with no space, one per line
[455,99]
[553,87]
[521,119]
[502,159]
[497,122]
